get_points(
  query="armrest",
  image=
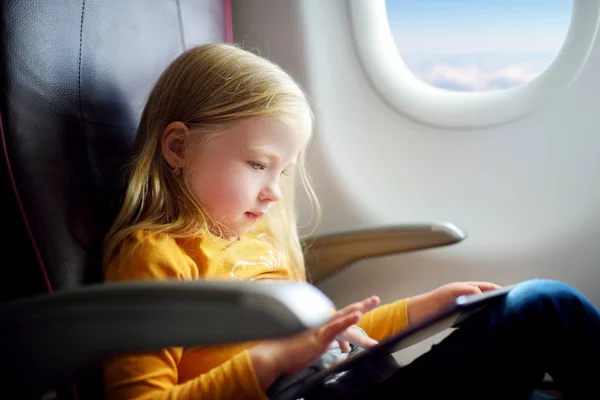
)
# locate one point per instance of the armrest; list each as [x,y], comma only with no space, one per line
[47,339]
[329,254]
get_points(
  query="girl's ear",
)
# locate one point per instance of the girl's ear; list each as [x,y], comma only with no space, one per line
[173,142]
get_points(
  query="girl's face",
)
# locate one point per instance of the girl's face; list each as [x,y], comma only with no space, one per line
[236,175]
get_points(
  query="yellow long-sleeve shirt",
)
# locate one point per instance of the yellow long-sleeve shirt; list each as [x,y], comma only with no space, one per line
[209,372]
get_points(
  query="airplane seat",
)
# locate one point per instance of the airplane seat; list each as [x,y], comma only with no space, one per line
[74,76]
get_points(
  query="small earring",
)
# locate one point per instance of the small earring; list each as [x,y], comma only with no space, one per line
[176,170]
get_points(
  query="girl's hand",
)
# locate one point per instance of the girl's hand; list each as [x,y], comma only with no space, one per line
[357,336]
[276,357]
[425,305]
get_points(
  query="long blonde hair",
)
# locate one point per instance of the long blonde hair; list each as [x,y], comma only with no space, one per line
[209,86]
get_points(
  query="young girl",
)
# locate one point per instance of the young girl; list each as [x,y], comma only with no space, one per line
[211,196]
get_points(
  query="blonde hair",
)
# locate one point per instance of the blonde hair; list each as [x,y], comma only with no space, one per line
[211,87]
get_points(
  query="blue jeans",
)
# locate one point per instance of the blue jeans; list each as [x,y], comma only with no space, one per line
[503,352]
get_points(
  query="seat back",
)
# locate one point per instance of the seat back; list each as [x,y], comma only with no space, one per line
[74,77]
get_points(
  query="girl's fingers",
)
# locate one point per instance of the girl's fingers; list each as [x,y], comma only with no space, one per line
[485,286]
[336,327]
[362,306]
[344,319]
[357,338]
[344,346]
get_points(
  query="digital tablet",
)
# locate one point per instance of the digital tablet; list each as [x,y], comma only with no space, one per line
[452,317]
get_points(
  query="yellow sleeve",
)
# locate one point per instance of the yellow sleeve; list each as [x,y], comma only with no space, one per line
[155,375]
[385,320]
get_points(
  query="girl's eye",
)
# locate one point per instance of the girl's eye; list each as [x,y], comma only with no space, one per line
[256,165]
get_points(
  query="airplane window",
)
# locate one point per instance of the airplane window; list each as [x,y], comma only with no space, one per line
[472,63]
[475,45]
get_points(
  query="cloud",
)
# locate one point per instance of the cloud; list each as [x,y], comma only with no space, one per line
[481,74]
[476,78]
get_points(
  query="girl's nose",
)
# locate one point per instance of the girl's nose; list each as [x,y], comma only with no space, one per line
[271,192]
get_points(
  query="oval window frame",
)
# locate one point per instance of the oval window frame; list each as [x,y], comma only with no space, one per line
[416,99]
